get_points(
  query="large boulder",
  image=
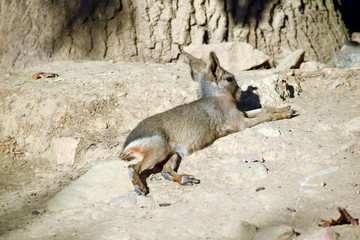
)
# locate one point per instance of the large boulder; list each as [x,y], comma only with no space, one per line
[232,55]
[348,56]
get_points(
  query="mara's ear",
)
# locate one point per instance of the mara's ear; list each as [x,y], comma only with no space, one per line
[197,66]
[212,66]
[214,61]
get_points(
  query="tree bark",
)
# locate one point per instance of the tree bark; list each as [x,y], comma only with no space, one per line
[32,31]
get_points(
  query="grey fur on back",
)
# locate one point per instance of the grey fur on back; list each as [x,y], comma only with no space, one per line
[184,124]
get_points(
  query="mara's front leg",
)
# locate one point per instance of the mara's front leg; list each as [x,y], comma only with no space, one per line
[267,114]
[258,112]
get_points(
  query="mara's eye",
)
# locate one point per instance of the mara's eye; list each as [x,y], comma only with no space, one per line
[229,79]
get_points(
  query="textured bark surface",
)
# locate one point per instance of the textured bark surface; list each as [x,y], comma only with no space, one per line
[155,30]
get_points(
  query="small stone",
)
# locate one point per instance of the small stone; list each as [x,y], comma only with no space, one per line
[259,189]
[353,125]
[312,66]
[124,201]
[122,94]
[336,84]
[281,232]
[246,172]
[293,60]
[143,201]
[348,56]
[65,150]
[269,132]
[35,213]
[164,204]
[100,125]
[240,230]
[327,234]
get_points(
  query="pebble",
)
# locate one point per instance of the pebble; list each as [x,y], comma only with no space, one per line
[336,84]
[283,232]
[124,201]
[165,204]
[240,230]
[259,189]
[327,234]
[35,213]
[131,201]
[65,150]
[246,172]
[269,132]
[143,201]
[293,60]
[353,125]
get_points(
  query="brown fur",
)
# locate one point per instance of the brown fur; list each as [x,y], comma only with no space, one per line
[176,133]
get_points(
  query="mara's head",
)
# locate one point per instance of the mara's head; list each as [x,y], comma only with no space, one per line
[213,79]
[221,80]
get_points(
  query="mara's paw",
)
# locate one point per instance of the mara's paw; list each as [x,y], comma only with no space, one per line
[183,179]
[283,109]
[189,180]
[140,190]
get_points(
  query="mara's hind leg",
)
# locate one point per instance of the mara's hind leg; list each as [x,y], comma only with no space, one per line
[169,172]
[267,115]
[152,154]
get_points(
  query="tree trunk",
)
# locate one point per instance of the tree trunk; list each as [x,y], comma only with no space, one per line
[155,30]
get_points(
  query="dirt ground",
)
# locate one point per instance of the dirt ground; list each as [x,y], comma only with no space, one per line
[312,160]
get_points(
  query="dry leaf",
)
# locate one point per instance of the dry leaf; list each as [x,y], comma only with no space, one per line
[345,218]
[44,75]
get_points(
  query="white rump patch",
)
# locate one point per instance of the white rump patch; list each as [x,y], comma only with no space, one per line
[143,142]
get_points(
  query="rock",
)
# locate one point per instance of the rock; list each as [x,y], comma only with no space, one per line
[324,233]
[124,201]
[269,132]
[337,83]
[64,150]
[259,189]
[103,183]
[100,124]
[240,230]
[312,66]
[348,56]
[281,232]
[353,125]
[291,61]
[270,91]
[232,55]
[355,36]
[355,61]
[143,201]
[131,201]
[246,172]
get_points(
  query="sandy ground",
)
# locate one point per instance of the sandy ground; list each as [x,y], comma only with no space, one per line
[312,161]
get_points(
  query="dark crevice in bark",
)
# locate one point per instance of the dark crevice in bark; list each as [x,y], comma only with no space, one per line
[132,19]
